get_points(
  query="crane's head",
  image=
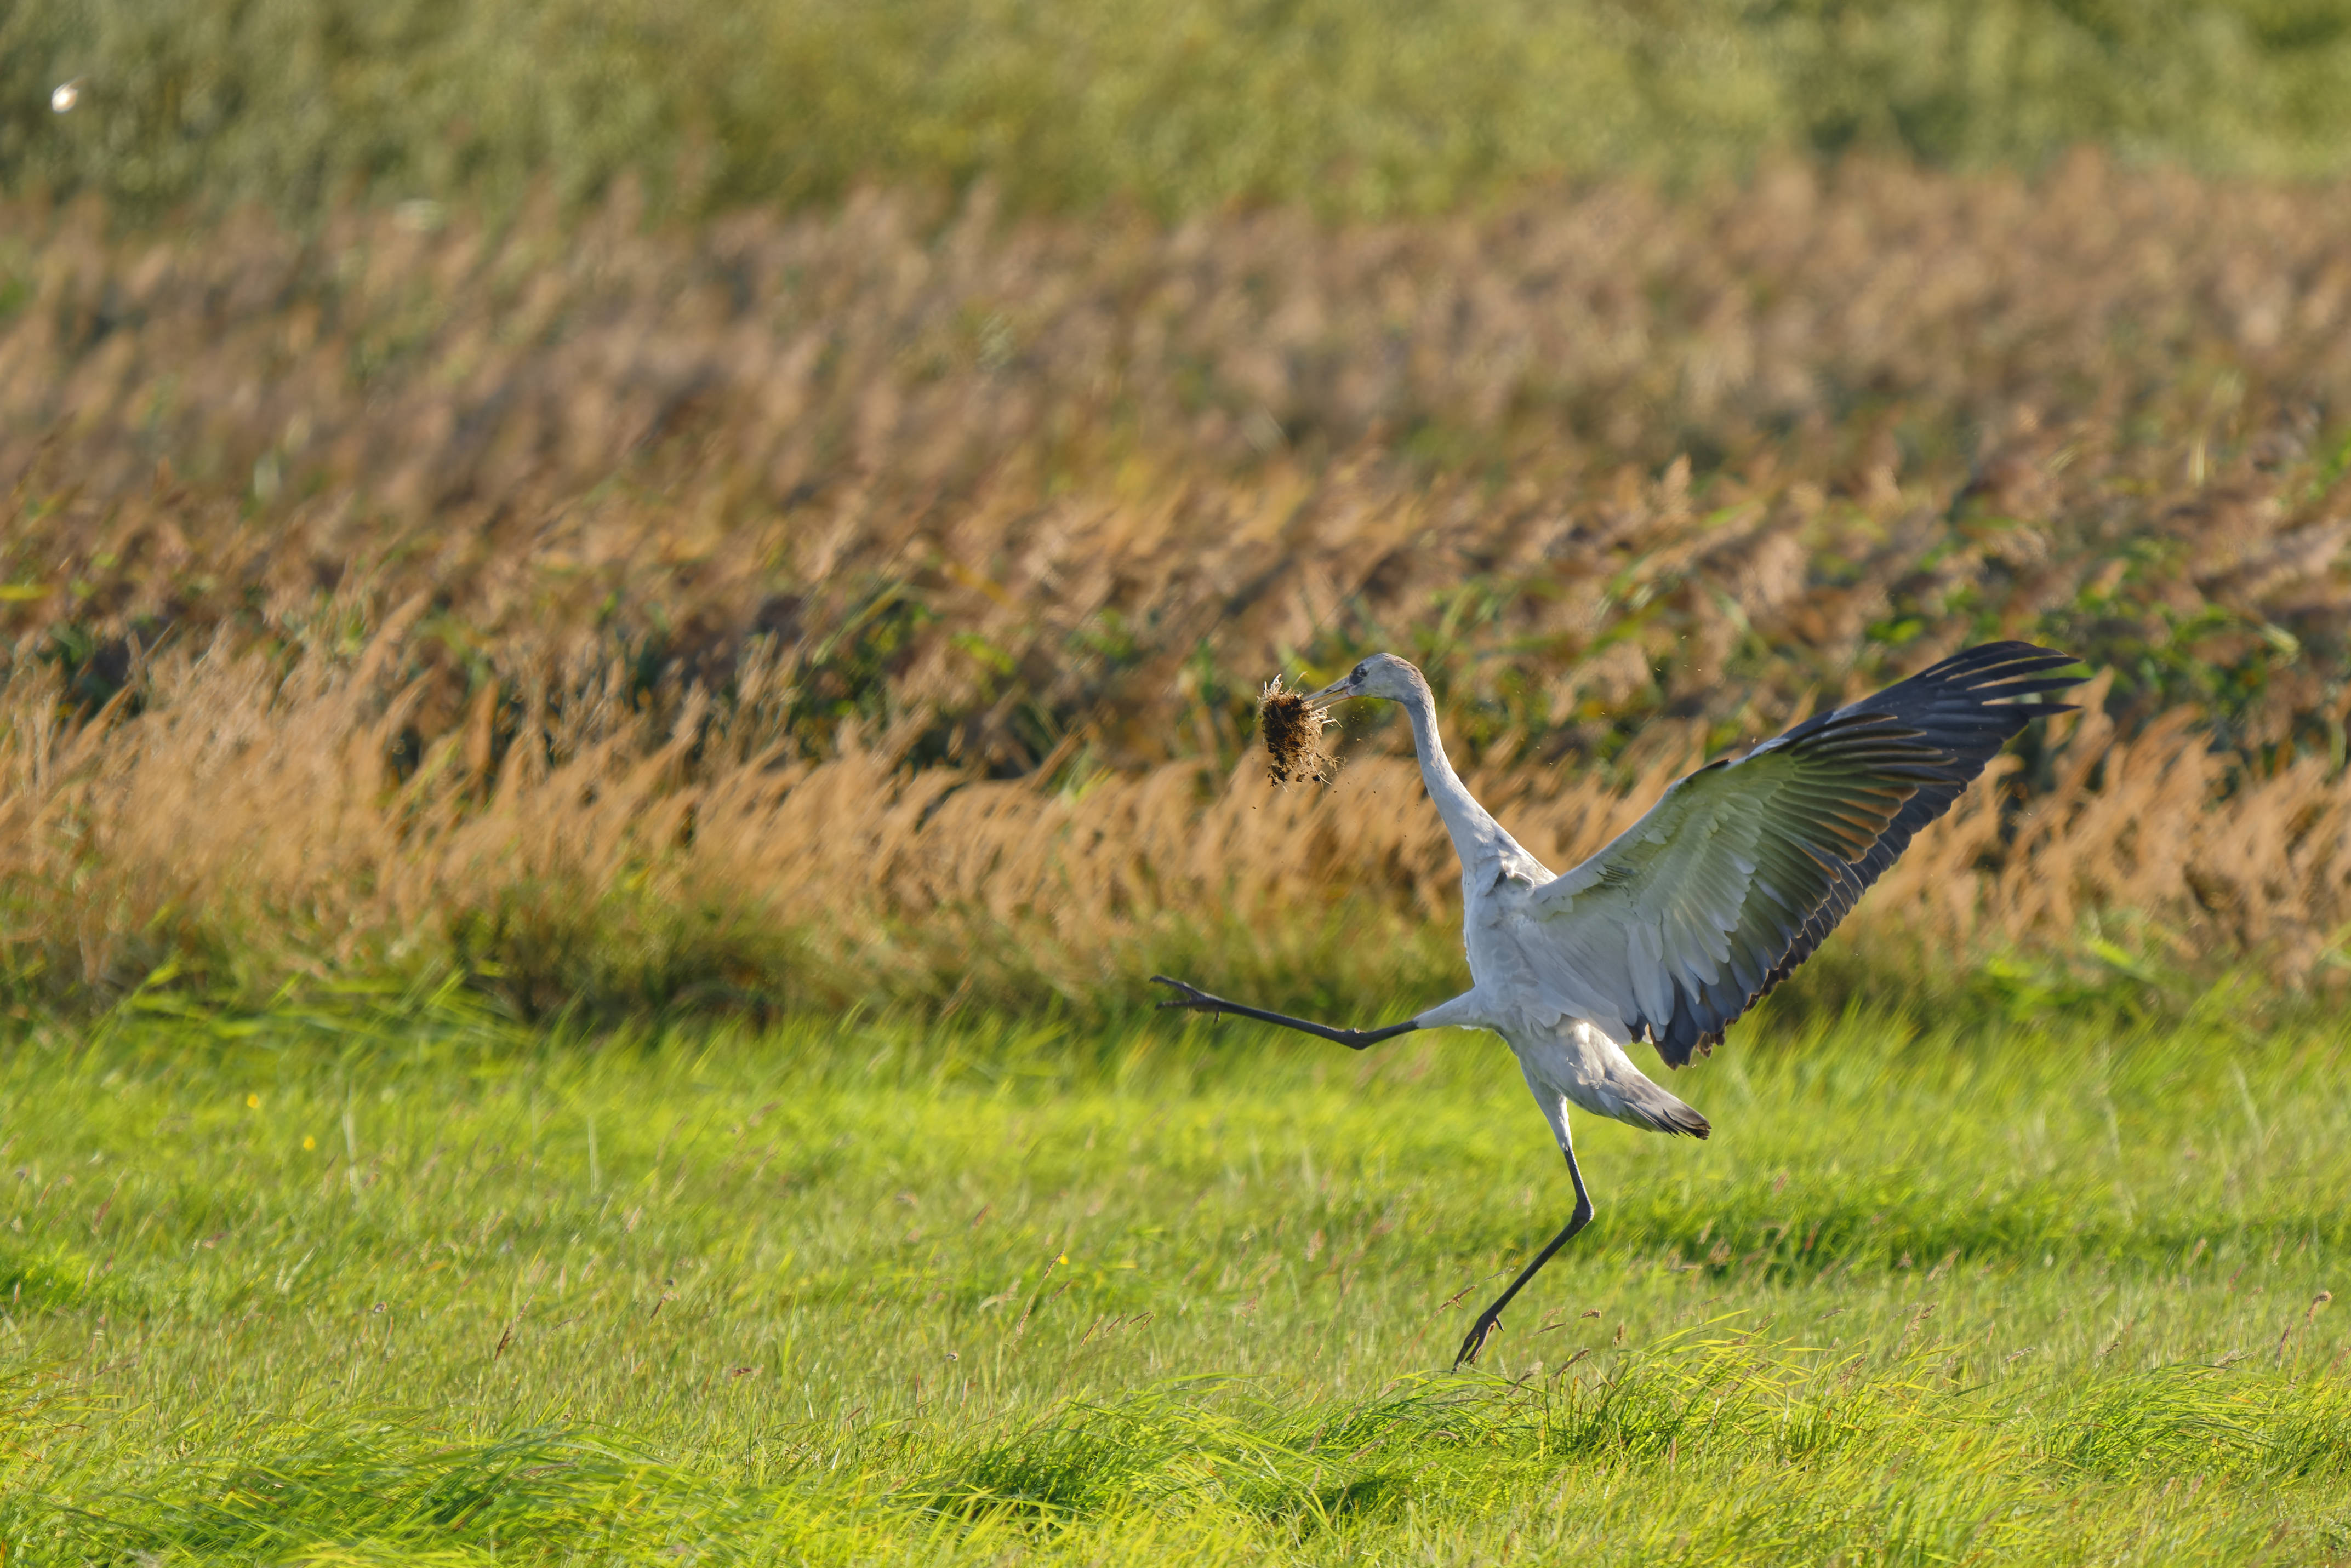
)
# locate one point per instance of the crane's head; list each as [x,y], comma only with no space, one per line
[1380,675]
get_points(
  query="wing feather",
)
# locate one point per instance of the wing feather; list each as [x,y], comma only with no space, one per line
[1741,869]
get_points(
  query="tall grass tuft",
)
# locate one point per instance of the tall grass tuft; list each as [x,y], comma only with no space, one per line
[239,819]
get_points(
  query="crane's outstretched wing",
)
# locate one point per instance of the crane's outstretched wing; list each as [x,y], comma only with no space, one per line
[1741,869]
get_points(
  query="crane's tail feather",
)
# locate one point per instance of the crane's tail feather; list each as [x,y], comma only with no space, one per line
[1647,1105]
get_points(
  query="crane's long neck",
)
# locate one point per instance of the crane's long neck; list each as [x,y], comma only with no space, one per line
[1476,835]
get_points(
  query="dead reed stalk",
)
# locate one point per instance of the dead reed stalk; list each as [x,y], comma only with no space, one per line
[245,820]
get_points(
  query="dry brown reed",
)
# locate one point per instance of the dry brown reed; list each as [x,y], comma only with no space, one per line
[873,604]
[244,825]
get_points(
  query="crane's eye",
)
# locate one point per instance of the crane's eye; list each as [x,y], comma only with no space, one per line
[1360,668]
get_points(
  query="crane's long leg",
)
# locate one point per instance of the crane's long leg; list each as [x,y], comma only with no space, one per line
[1191,998]
[1491,1318]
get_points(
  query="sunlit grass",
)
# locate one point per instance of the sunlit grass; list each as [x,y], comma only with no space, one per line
[319,1290]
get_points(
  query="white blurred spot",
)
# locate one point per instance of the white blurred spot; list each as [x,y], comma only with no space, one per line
[65,95]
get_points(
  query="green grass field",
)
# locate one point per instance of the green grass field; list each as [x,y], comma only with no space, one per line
[428,1289]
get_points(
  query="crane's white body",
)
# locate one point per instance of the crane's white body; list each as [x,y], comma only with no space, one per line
[1568,1056]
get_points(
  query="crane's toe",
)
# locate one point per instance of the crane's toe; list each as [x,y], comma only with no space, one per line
[1480,1332]
[1186,995]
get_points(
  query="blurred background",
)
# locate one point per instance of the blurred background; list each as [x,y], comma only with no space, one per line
[1352,111]
[682,507]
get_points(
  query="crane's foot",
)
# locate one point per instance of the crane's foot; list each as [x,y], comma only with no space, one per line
[1190,997]
[1480,1332]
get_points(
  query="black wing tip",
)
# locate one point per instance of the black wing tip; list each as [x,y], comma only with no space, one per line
[1682,1039]
[1900,742]
[2007,650]
[2007,666]
[1976,688]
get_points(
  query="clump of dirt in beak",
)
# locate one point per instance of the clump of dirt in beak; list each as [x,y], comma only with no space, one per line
[1292,731]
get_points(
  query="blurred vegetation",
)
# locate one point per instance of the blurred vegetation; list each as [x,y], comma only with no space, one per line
[1073,489]
[868,607]
[1353,106]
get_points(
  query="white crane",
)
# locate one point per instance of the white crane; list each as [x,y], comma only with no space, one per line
[1695,911]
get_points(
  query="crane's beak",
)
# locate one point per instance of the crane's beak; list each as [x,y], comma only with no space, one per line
[1339,691]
